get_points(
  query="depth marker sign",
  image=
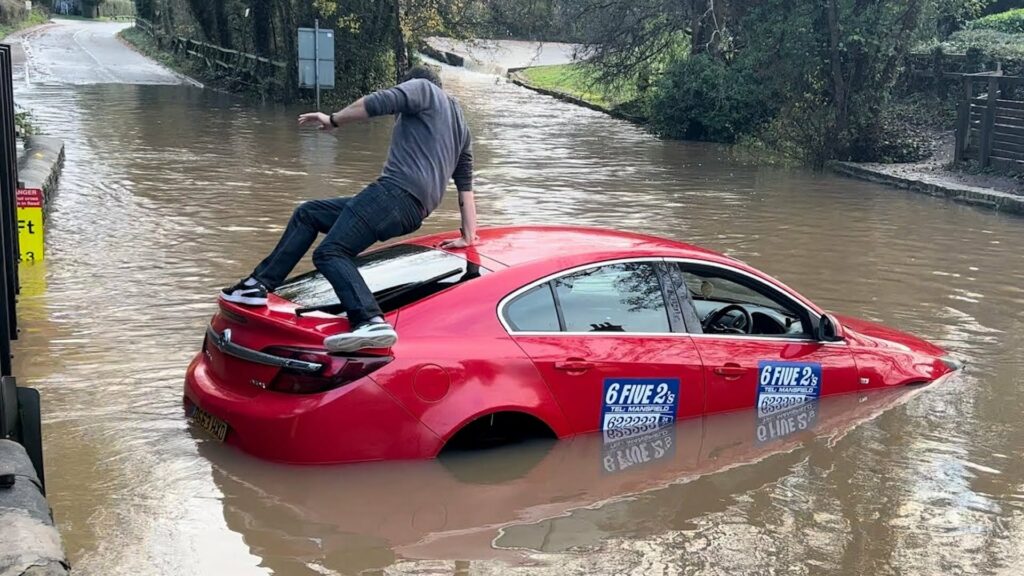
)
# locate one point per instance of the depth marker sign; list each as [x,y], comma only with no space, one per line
[30,224]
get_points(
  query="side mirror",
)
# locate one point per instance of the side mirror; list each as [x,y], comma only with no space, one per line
[827,330]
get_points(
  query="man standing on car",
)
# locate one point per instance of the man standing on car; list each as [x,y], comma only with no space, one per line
[430,144]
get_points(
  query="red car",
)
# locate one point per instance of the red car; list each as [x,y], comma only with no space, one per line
[534,331]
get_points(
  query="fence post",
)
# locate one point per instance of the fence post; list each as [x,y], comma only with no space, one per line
[963,121]
[989,121]
[937,76]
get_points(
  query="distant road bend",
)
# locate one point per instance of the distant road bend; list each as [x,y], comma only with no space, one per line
[83,52]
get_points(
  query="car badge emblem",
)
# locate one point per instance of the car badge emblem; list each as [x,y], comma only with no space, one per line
[258,383]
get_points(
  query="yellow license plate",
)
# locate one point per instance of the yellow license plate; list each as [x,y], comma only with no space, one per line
[215,426]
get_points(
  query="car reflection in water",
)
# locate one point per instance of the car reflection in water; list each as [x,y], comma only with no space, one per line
[501,503]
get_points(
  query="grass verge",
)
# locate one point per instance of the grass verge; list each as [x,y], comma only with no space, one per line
[578,81]
[144,44]
[34,18]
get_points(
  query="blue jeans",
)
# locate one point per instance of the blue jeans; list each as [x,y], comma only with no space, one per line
[352,225]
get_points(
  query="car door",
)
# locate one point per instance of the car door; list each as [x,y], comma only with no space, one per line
[776,367]
[612,352]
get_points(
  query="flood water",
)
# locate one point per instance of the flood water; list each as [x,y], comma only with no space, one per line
[171,192]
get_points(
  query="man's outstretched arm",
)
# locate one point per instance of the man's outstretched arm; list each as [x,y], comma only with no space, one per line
[354,112]
[407,98]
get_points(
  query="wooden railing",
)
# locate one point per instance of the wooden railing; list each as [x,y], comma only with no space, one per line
[145,26]
[213,57]
[940,73]
[990,121]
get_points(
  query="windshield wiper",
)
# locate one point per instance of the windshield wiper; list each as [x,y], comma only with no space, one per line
[382,296]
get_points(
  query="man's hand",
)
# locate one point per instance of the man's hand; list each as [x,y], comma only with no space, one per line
[467,207]
[460,242]
[318,119]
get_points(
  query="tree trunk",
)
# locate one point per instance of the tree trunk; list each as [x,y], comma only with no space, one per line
[838,81]
[262,18]
[401,52]
[288,47]
[707,19]
[698,30]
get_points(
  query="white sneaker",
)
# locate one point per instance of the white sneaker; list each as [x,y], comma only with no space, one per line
[249,291]
[368,335]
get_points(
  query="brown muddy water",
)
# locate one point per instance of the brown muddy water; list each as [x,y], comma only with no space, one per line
[171,192]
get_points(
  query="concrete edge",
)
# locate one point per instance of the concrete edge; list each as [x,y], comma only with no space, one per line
[986,197]
[519,80]
[29,542]
[449,58]
[40,165]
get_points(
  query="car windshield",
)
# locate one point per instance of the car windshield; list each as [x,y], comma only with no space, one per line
[398,275]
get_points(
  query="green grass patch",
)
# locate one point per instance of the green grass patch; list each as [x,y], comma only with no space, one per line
[581,82]
[1011,21]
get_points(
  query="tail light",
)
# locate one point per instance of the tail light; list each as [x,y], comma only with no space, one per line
[337,371]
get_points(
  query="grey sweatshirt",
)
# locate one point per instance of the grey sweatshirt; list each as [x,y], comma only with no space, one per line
[430,143]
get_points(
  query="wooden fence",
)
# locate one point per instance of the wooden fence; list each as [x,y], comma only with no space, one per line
[244,67]
[939,73]
[990,121]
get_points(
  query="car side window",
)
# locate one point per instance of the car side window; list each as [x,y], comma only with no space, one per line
[533,311]
[712,289]
[623,297]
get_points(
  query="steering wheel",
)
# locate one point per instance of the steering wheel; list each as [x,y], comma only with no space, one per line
[715,317]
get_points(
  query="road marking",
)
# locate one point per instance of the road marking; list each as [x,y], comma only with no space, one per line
[103,68]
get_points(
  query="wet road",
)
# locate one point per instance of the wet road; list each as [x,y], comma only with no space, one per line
[82,52]
[498,56]
[170,192]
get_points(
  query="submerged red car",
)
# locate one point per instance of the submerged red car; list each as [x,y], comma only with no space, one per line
[534,331]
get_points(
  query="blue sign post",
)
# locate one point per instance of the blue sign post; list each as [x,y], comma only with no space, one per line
[316,59]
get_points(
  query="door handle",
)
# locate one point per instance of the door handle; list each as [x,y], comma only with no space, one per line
[731,371]
[574,365]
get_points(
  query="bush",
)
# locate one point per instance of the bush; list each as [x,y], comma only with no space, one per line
[12,11]
[703,99]
[117,9]
[900,132]
[23,123]
[1011,22]
[992,43]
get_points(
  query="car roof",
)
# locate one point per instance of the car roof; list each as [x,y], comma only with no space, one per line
[526,253]
[515,246]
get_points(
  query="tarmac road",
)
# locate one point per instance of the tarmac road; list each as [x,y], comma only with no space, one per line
[84,52]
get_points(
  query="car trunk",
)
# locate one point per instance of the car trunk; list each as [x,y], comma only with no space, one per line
[244,343]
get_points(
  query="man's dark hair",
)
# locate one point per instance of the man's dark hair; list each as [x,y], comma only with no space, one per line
[422,72]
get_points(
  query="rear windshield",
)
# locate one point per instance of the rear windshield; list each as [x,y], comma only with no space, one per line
[398,275]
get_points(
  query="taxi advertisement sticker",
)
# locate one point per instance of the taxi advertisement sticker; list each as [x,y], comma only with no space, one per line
[783,385]
[635,402]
